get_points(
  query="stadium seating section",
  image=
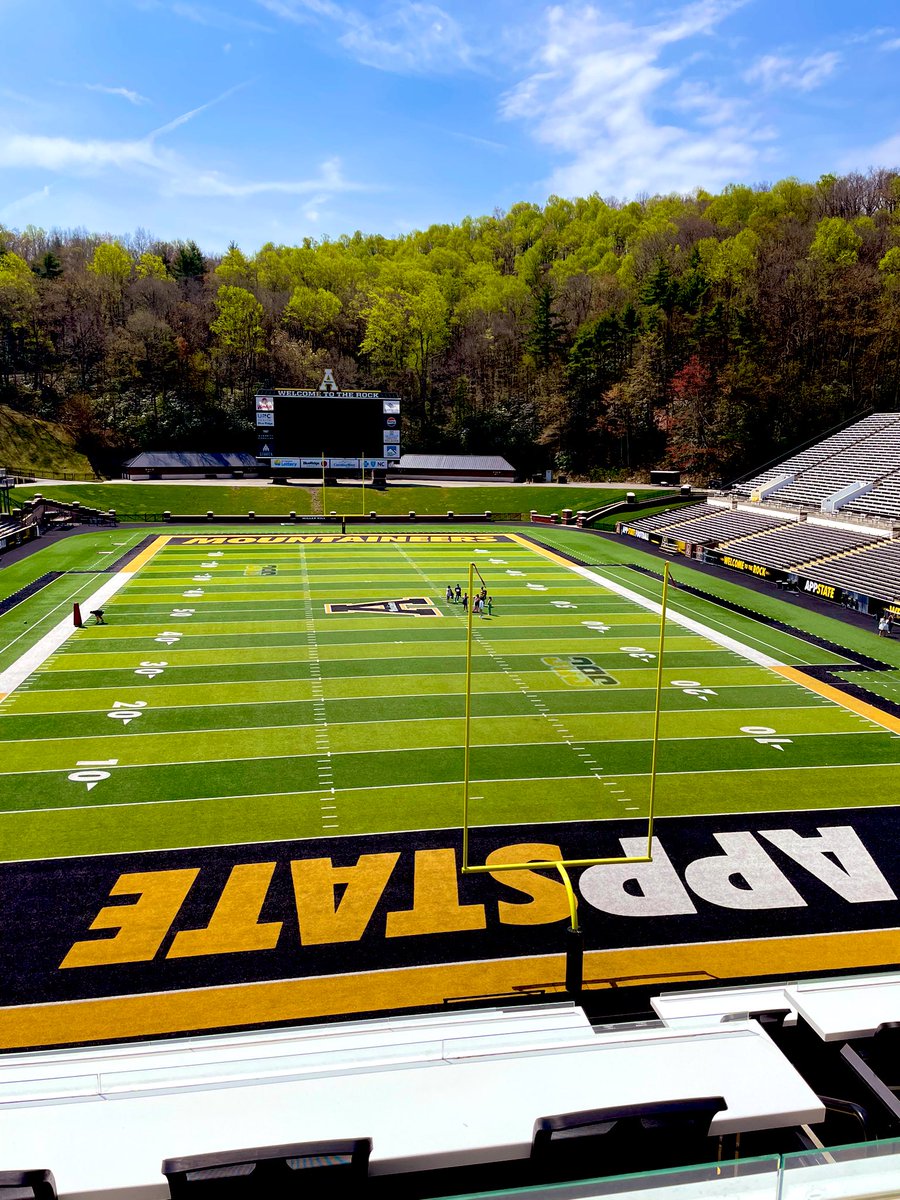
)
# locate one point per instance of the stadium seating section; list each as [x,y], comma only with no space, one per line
[827,513]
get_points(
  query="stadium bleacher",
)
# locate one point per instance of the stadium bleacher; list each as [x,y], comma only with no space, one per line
[795,543]
[853,477]
[710,523]
[866,452]
[872,571]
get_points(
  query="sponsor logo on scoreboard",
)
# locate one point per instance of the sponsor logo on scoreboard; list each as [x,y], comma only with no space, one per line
[410,606]
[265,418]
[392,452]
[392,436]
[390,406]
[391,422]
[293,463]
[265,404]
[265,450]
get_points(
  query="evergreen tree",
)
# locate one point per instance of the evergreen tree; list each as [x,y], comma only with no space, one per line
[188,262]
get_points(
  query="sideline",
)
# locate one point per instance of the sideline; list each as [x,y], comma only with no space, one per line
[862,708]
[13,676]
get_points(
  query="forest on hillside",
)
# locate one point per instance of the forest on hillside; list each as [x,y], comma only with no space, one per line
[703,332]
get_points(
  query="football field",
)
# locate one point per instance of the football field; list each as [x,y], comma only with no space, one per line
[240,799]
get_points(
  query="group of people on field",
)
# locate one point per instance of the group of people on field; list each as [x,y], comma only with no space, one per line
[480,601]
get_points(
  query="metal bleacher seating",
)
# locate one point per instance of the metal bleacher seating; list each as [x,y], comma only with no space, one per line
[790,545]
[872,571]
[867,452]
[711,523]
[882,501]
[824,456]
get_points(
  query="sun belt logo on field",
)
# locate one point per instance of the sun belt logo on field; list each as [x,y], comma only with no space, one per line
[578,671]
[409,606]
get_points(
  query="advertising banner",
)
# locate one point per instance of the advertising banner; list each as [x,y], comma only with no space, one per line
[264,418]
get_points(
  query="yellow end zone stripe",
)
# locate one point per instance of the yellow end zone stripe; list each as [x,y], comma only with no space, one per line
[145,555]
[306,999]
[863,709]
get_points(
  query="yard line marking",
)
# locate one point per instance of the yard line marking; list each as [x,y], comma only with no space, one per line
[314,753]
[375,721]
[453,783]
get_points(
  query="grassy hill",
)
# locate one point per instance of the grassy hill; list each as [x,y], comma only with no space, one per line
[38,447]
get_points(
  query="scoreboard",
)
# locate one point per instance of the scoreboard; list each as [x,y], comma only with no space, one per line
[297,428]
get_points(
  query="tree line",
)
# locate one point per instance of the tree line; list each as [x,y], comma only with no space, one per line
[705,332]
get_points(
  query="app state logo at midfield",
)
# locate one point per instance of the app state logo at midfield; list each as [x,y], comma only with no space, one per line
[409,606]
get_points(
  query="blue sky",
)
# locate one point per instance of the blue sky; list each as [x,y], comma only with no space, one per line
[273,120]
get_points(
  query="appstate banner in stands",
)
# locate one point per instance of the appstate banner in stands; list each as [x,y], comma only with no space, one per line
[120,924]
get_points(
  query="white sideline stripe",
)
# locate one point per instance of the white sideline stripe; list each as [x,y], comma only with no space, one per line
[796,636]
[381,722]
[455,783]
[51,642]
[712,635]
[315,752]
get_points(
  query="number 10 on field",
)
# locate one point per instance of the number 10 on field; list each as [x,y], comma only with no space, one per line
[92,777]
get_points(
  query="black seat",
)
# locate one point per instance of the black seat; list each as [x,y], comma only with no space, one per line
[27,1185]
[307,1169]
[612,1141]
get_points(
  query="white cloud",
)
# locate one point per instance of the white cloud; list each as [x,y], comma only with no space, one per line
[411,37]
[32,151]
[174,175]
[214,18]
[776,71]
[302,10]
[126,93]
[603,95]
[194,112]
[886,152]
[329,180]
[25,203]
[891,44]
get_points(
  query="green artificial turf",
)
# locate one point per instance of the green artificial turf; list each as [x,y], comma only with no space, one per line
[260,704]
[147,501]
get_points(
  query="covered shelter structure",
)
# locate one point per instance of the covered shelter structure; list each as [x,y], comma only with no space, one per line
[454,466]
[155,464]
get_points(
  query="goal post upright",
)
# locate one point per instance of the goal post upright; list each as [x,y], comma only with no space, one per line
[574,946]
